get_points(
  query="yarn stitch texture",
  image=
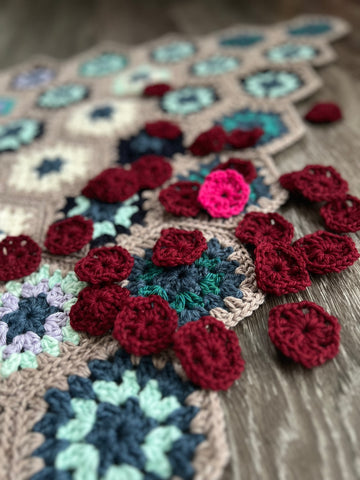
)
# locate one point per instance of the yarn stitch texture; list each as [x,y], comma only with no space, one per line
[305,332]
[257,227]
[342,215]
[19,256]
[324,113]
[69,235]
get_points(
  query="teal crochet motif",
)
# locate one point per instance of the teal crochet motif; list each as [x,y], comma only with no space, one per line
[291,52]
[271,84]
[215,65]
[173,52]
[124,422]
[102,65]
[192,290]
[62,96]
[313,29]
[19,132]
[187,100]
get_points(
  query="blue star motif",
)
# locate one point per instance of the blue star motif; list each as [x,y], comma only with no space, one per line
[49,165]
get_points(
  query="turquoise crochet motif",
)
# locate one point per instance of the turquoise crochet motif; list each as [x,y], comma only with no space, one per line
[19,132]
[187,100]
[123,422]
[215,65]
[241,40]
[291,52]
[192,290]
[312,29]
[173,52]
[62,96]
[102,65]
[271,84]
[247,119]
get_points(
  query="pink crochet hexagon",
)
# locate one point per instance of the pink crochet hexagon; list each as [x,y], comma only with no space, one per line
[224,193]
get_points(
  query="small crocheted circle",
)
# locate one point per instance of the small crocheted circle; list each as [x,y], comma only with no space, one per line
[163,129]
[320,184]
[209,353]
[113,185]
[326,112]
[69,235]
[105,265]
[280,268]
[244,138]
[180,199]
[152,171]
[19,256]
[326,252]
[257,227]
[211,141]
[157,89]
[145,325]
[96,308]
[224,193]
[178,247]
[244,167]
[305,332]
[342,215]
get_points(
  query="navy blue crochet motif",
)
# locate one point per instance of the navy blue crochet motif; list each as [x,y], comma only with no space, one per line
[192,290]
[124,421]
[144,144]
[110,219]
[258,187]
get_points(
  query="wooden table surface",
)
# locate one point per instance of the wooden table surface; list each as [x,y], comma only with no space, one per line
[284,422]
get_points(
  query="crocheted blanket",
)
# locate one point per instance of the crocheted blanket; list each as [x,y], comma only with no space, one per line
[73,403]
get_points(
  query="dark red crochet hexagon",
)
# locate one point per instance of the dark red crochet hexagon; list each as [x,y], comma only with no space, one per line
[163,129]
[244,138]
[145,325]
[180,199]
[157,89]
[113,185]
[257,227]
[69,235]
[244,167]
[343,215]
[210,141]
[209,353]
[280,268]
[105,265]
[19,256]
[178,247]
[326,252]
[304,332]
[97,307]
[326,112]
[320,184]
[152,171]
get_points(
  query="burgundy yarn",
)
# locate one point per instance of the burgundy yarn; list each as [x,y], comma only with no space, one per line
[180,199]
[69,235]
[105,265]
[209,353]
[304,332]
[244,138]
[257,227]
[316,183]
[178,247]
[326,252]
[145,325]
[244,167]
[157,90]
[210,141]
[96,308]
[342,215]
[320,184]
[288,181]
[113,185]
[152,171]
[280,268]
[19,256]
[326,112]
[163,129]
